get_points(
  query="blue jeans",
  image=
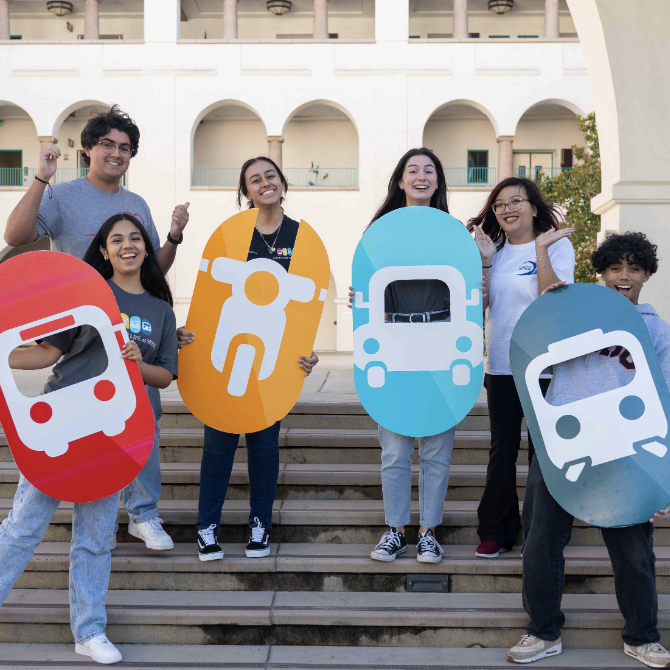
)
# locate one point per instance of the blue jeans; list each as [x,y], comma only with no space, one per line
[547,528]
[217,464]
[90,558]
[435,460]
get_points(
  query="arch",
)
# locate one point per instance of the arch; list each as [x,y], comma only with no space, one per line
[321,101]
[21,148]
[73,108]
[220,103]
[568,104]
[470,103]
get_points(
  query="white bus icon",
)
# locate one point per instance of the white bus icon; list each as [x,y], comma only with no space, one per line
[603,427]
[103,403]
[413,347]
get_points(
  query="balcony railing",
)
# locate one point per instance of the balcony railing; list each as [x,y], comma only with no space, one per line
[539,173]
[316,177]
[470,176]
[25,176]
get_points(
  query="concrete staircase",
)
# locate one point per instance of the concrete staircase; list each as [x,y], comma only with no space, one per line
[317,601]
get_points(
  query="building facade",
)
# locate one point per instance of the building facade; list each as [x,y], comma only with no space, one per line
[336,91]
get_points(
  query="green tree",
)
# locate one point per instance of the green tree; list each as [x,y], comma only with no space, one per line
[572,190]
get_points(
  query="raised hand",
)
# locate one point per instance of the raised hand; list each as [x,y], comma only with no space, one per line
[47,162]
[545,240]
[179,220]
[486,246]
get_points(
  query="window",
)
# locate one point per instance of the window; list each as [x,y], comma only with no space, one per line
[415,37]
[104,37]
[439,36]
[16,37]
[478,167]
[527,37]
[11,163]
[566,158]
[498,37]
[473,36]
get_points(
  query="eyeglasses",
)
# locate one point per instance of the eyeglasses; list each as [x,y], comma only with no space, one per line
[109,147]
[514,205]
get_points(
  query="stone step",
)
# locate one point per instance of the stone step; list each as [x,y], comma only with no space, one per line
[318,481]
[316,618]
[277,657]
[323,567]
[321,521]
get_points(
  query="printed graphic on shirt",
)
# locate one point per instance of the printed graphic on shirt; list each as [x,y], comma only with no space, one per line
[527,268]
[126,320]
[622,354]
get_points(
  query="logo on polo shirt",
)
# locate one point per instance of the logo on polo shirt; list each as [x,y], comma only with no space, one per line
[527,268]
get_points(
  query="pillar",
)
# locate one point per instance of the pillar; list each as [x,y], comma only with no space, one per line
[505,156]
[230,19]
[275,148]
[551,29]
[4,19]
[46,140]
[92,20]
[320,20]
[460,19]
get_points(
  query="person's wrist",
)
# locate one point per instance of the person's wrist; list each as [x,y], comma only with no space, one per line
[175,238]
[43,177]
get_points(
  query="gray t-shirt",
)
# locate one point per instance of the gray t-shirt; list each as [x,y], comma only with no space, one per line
[72,212]
[150,321]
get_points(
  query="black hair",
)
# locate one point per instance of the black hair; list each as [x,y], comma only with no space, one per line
[548,217]
[242,189]
[101,122]
[632,247]
[151,276]
[397,198]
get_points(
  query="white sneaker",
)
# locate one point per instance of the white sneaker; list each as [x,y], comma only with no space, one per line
[100,649]
[152,533]
[530,648]
[653,654]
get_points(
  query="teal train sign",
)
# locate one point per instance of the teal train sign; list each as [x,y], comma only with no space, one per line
[418,378]
[601,440]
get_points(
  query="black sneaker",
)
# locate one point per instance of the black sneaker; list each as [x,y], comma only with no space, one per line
[391,544]
[427,549]
[208,548]
[259,542]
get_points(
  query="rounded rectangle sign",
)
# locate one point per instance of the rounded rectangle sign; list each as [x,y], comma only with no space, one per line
[252,321]
[89,440]
[418,378]
[602,446]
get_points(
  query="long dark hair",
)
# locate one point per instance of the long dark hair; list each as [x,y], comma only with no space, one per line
[242,186]
[397,198]
[152,277]
[548,216]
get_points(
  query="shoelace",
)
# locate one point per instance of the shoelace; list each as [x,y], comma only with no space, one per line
[428,543]
[207,535]
[156,525]
[257,531]
[526,641]
[389,540]
[655,647]
[99,641]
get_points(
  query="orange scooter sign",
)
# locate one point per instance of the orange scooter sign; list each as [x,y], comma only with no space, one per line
[252,321]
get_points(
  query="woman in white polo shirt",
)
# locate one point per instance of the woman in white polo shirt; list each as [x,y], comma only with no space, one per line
[523,252]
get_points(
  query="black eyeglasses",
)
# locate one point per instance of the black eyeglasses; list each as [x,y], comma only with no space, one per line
[109,147]
[514,205]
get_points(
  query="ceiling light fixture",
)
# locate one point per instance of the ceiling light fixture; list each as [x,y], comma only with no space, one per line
[59,7]
[501,6]
[278,7]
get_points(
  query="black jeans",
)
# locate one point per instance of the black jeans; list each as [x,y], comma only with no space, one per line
[547,528]
[498,510]
[217,464]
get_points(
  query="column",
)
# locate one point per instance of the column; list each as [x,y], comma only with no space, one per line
[505,156]
[230,19]
[460,19]
[551,29]
[320,20]
[91,20]
[4,19]
[275,148]
[162,20]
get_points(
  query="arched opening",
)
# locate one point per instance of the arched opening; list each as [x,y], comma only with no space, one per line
[19,146]
[544,139]
[226,136]
[321,147]
[464,139]
[326,336]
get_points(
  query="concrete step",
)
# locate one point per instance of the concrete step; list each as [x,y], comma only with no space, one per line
[318,481]
[316,618]
[321,521]
[323,567]
[276,657]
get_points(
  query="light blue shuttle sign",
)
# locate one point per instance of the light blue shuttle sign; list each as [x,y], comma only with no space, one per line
[603,457]
[417,378]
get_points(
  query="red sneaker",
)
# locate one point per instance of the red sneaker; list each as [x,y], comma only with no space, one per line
[489,549]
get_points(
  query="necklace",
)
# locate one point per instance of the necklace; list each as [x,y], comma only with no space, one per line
[272,248]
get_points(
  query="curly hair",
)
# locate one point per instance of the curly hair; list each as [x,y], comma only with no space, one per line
[102,121]
[632,247]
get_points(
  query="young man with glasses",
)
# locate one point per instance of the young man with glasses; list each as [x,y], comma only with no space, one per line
[70,214]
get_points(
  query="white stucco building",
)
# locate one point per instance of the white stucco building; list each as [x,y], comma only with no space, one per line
[213,82]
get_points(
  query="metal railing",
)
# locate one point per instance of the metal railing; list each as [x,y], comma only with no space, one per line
[539,173]
[470,176]
[25,176]
[316,177]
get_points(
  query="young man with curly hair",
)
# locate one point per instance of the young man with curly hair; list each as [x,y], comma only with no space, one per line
[625,262]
